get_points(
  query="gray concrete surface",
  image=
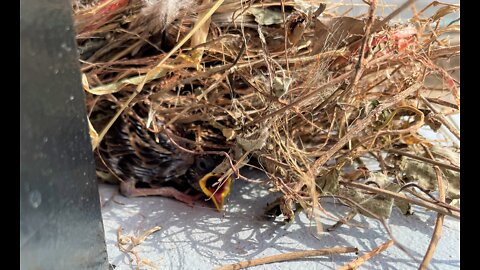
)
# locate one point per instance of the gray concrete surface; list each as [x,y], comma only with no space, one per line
[201,238]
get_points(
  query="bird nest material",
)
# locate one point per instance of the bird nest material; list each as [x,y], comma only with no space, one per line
[330,106]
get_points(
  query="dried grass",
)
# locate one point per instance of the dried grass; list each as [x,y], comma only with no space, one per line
[310,101]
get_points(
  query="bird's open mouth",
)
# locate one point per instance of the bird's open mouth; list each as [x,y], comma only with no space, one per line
[215,190]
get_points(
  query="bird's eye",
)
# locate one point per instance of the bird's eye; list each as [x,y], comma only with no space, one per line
[202,165]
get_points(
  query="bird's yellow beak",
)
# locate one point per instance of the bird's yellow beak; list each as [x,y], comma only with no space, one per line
[218,192]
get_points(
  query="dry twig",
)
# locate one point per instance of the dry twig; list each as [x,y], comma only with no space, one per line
[362,259]
[288,257]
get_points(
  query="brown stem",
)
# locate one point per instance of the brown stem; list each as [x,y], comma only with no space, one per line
[342,221]
[442,118]
[400,196]
[287,257]
[440,164]
[360,260]
[360,66]
[393,14]
[437,231]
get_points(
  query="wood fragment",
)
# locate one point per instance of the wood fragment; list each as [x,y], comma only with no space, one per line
[400,196]
[440,164]
[442,118]
[437,231]
[362,259]
[288,257]
[342,221]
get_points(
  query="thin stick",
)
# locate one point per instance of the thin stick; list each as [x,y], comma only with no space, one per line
[400,196]
[443,103]
[360,260]
[360,66]
[380,24]
[393,14]
[342,221]
[437,231]
[430,198]
[285,36]
[288,257]
[440,164]
[200,37]
[442,118]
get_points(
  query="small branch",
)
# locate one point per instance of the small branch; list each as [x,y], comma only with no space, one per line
[360,66]
[440,164]
[393,14]
[360,260]
[430,199]
[443,103]
[400,196]
[448,51]
[437,231]
[442,118]
[288,257]
[342,221]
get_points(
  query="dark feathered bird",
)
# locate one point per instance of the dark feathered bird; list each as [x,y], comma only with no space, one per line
[148,163]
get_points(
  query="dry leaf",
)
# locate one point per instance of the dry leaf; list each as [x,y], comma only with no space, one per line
[380,206]
[432,122]
[442,12]
[332,32]
[93,134]
[255,141]
[446,153]
[266,16]
[328,183]
[228,133]
[425,176]
[404,207]
[281,86]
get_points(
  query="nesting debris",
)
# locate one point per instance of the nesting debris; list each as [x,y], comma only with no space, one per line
[127,244]
[331,106]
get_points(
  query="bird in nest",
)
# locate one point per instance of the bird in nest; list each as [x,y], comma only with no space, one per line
[152,163]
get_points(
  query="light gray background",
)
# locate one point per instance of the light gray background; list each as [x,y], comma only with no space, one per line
[201,238]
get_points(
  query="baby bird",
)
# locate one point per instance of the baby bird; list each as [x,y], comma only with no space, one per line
[148,163]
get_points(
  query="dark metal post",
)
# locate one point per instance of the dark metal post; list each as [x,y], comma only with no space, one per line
[60,220]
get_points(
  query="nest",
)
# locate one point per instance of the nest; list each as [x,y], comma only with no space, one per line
[327,105]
